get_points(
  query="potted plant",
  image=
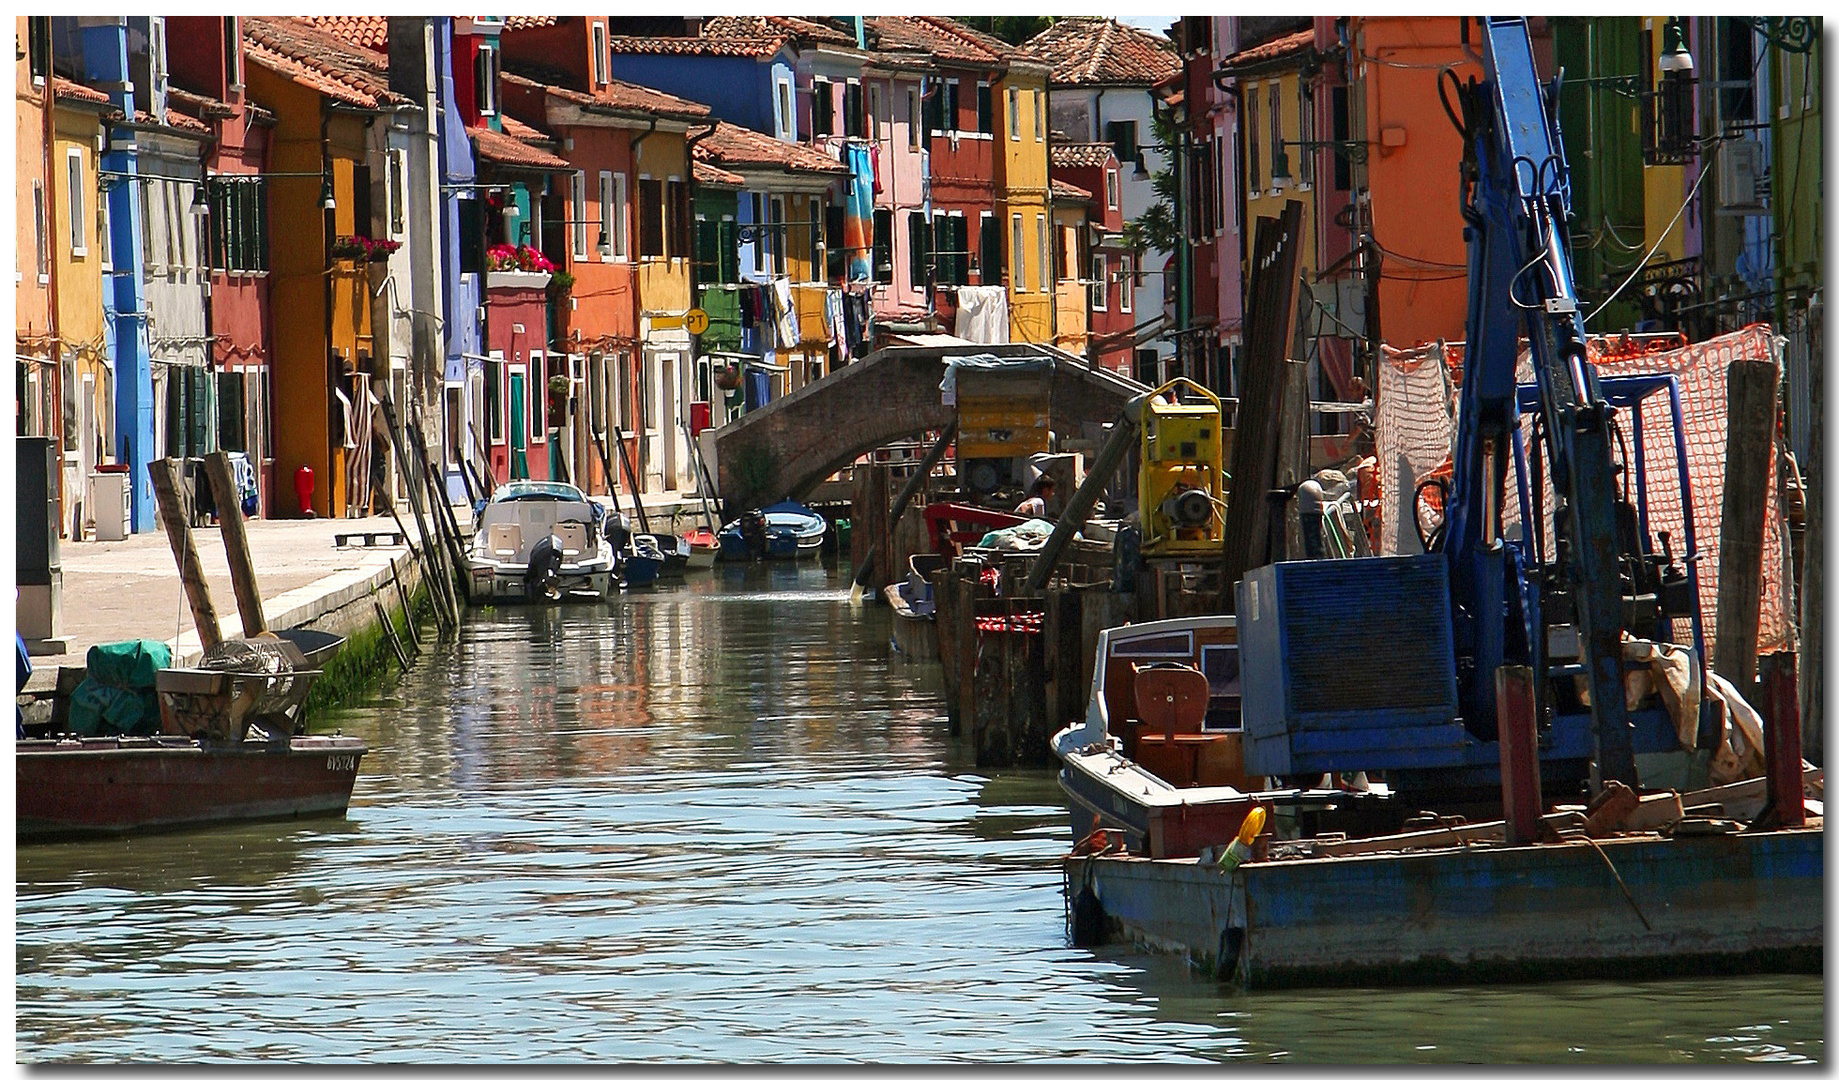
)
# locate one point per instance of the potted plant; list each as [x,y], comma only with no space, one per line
[561,283]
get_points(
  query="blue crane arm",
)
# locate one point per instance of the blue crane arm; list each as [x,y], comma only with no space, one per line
[1520,281]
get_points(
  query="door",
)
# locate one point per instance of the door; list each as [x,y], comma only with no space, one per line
[520,462]
[667,417]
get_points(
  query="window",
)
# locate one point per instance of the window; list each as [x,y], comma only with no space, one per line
[986,120]
[1040,116]
[678,210]
[1041,261]
[600,54]
[989,249]
[788,128]
[823,108]
[854,125]
[651,218]
[1097,288]
[577,188]
[606,216]
[836,251]
[877,111]
[951,257]
[398,170]
[884,246]
[621,229]
[1112,196]
[707,269]
[1276,104]
[1122,135]
[494,410]
[918,242]
[38,226]
[233,52]
[472,235]
[156,56]
[776,233]
[1254,185]
[1208,191]
[1015,113]
[914,127]
[756,231]
[1305,131]
[79,225]
[104,239]
[1018,280]
[1337,106]
[1126,283]
[815,229]
[485,80]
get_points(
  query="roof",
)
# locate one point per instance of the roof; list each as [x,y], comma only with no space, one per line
[618,95]
[1271,51]
[1084,155]
[370,31]
[505,149]
[1087,50]
[523,132]
[802,31]
[176,120]
[296,49]
[756,48]
[944,39]
[704,173]
[529,22]
[1060,189]
[736,147]
[200,105]
[75,91]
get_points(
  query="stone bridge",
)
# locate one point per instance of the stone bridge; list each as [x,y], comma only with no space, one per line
[787,448]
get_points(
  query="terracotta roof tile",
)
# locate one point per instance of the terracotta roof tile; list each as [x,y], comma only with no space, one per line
[617,96]
[1083,155]
[705,173]
[1086,50]
[504,149]
[298,50]
[943,38]
[523,132]
[370,31]
[736,147]
[1060,189]
[1296,44]
[64,88]
[181,121]
[528,22]
[199,105]
[757,48]
[802,31]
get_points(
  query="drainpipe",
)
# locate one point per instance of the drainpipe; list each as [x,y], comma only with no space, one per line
[325,163]
[51,320]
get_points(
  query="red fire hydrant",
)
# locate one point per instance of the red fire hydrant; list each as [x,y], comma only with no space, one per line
[303,487]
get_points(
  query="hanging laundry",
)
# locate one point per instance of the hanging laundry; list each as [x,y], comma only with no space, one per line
[857,318]
[874,160]
[785,315]
[859,214]
[983,314]
[834,327]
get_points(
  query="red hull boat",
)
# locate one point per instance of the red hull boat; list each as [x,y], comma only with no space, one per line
[74,788]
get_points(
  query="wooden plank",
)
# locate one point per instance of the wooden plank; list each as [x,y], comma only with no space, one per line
[164,474]
[1747,448]
[235,544]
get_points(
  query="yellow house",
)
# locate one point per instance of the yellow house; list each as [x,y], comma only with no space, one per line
[80,255]
[666,248]
[1272,120]
[35,334]
[1022,209]
[1072,208]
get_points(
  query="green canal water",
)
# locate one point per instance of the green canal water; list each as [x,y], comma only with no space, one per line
[712,823]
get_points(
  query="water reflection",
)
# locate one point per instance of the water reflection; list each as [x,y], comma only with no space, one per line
[707,823]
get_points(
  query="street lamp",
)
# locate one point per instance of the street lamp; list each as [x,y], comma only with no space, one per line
[326,202]
[1352,149]
[1674,55]
[605,244]
[201,203]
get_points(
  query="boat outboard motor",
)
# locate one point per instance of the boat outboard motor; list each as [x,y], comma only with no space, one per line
[753,530]
[543,577]
[616,531]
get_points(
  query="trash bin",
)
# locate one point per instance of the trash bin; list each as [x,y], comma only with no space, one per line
[108,499]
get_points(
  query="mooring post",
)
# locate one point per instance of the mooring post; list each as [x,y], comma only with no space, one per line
[165,479]
[1781,740]
[235,543]
[1518,713]
[1751,390]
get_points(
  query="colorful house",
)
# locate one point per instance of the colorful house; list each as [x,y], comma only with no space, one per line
[1107,266]
[1022,196]
[1072,209]
[36,387]
[80,241]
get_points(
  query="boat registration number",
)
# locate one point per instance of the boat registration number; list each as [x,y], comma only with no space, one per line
[341,763]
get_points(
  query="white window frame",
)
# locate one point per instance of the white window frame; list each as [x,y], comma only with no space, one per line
[1113,190]
[1040,115]
[914,123]
[1043,279]
[622,220]
[1126,284]
[397,193]
[788,116]
[606,217]
[984,272]
[601,54]
[1101,298]
[1015,114]
[74,171]
[233,58]
[776,234]
[1018,272]
[105,243]
[40,225]
[873,107]
[488,87]
[577,189]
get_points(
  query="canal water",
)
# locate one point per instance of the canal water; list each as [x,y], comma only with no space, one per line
[711,823]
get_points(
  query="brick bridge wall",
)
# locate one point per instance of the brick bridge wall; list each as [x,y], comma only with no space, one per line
[786,449]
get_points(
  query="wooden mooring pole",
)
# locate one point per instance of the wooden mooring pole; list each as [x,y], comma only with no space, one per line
[1751,390]
[235,543]
[1517,710]
[164,475]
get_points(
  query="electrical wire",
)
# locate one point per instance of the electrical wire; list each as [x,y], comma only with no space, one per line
[1704,171]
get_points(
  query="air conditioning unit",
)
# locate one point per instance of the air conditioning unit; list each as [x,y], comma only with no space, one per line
[1743,178]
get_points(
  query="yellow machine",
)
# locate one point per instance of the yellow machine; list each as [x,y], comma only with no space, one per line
[1181,491]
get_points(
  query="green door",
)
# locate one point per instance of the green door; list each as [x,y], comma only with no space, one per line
[520,464]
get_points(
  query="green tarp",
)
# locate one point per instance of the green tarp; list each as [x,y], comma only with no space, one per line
[116,696]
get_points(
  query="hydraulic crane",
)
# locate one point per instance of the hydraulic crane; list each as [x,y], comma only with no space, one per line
[1405,678]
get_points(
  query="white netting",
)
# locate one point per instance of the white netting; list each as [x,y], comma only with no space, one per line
[1414,434]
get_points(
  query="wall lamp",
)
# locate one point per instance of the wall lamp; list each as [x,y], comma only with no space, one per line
[604,245]
[1353,150]
[1666,110]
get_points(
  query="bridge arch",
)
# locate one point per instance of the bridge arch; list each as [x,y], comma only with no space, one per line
[785,449]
